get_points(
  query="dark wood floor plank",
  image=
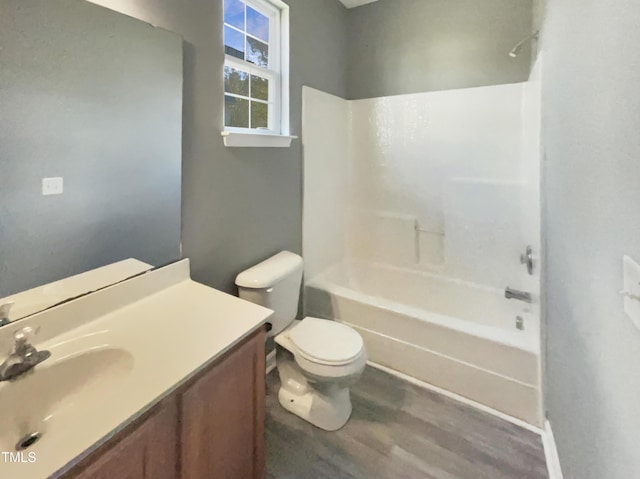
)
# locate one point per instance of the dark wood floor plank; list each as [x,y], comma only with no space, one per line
[399,430]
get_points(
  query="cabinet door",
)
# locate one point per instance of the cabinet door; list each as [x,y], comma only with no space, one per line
[222,427]
[146,452]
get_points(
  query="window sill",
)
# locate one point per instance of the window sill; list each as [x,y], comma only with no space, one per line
[256,140]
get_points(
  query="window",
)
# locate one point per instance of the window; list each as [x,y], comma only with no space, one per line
[255,84]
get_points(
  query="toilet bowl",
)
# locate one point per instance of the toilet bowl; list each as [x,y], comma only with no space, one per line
[318,360]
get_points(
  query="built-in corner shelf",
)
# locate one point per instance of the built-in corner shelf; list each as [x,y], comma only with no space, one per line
[256,140]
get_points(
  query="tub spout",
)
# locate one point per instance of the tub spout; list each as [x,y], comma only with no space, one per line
[510,293]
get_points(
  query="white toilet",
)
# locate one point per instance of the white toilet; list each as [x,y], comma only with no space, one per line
[318,360]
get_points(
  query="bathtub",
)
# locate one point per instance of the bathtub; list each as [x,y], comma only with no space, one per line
[454,335]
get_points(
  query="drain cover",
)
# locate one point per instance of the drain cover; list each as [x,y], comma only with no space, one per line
[28,441]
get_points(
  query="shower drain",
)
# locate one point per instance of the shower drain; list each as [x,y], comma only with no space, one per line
[28,441]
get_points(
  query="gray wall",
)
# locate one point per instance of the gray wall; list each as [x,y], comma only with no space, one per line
[409,46]
[242,205]
[95,97]
[591,175]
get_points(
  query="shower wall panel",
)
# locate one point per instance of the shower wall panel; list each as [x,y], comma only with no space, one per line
[325,126]
[442,176]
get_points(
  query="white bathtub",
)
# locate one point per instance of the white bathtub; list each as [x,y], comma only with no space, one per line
[455,335]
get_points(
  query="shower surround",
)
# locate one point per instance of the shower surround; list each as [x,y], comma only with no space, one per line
[416,210]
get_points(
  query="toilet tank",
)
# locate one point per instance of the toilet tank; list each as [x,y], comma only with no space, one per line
[274,284]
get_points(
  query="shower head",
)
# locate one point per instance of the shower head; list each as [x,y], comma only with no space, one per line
[516,50]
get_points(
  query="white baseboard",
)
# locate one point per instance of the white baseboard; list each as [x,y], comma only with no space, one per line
[551,452]
[457,397]
[271,361]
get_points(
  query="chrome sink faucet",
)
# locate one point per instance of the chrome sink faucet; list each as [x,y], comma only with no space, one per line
[23,357]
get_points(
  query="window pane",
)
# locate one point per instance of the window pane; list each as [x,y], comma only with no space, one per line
[259,88]
[236,112]
[257,24]
[257,52]
[234,13]
[233,43]
[236,81]
[259,115]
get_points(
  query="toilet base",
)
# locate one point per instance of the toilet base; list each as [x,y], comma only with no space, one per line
[328,410]
[317,393]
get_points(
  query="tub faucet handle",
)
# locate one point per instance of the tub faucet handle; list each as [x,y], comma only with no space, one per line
[526,258]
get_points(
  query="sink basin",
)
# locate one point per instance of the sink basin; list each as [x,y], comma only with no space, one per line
[61,385]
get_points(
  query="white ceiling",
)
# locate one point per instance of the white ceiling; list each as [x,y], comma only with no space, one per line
[356,3]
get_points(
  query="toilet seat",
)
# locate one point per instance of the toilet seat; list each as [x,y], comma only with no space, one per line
[326,342]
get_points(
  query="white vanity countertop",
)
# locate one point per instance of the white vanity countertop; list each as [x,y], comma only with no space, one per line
[162,328]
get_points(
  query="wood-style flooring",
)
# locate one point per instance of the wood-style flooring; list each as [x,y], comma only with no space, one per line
[399,430]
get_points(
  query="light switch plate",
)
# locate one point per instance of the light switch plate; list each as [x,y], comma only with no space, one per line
[52,186]
[631,289]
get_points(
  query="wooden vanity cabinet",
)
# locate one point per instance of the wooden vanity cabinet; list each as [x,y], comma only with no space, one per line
[146,450]
[212,427]
[222,420]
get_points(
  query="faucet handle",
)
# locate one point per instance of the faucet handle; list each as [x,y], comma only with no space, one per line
[24,335]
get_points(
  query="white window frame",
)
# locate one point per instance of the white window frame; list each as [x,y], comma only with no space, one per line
[277,72]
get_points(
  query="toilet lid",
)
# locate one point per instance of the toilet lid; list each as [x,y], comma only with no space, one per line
[325,341]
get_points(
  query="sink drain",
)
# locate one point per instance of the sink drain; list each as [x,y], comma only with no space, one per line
[28,441]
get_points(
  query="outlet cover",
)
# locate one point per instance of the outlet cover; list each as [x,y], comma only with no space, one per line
[52,186]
